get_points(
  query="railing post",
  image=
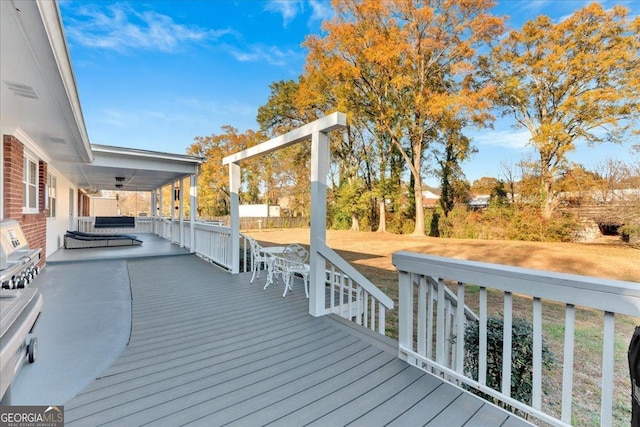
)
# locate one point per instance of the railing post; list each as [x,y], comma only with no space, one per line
[193,203]
[405,313]
[181,211]
[234,243]
[319,170]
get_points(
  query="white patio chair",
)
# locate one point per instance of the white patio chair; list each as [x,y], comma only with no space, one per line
[259,258]
[295,257]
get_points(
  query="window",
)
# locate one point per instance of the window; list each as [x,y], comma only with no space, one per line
[30,186]
[51,195]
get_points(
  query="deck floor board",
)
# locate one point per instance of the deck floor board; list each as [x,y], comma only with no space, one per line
[209,348]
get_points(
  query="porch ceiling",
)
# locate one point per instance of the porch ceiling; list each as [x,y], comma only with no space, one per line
[139,170]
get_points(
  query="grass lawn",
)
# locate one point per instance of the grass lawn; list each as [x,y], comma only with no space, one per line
[370,253]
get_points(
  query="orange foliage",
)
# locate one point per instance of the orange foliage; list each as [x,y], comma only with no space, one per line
[406,67]
[573,80]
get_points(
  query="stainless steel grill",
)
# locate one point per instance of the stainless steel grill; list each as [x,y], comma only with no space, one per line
[19,307]
[18,262]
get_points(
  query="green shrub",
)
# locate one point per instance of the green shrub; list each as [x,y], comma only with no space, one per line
[398,223]
[630,233]
[507,222]
[521,356]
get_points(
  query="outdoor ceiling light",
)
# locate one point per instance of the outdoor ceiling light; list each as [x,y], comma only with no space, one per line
[118,185]
[120,178]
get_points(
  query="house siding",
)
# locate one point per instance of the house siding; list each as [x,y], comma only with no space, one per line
[34,225]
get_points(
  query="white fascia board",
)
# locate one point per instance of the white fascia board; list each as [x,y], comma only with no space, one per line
[112,160]
[29,143]
[327,124]
[145,154]
[50,14]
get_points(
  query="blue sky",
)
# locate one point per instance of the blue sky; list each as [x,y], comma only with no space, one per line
[156,74]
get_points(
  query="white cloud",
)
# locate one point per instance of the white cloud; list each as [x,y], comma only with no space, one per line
[535,5]
[515,140]
[271,54]
[206,107]
[115,118]
[320,10]
[120,27]
[289,9]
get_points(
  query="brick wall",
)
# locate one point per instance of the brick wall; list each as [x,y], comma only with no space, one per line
[84,204]
[33,225]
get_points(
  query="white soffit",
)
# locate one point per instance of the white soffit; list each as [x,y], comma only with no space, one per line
[38,94]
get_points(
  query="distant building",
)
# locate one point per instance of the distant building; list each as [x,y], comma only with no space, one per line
[479,202]
[259,211]
[429,199]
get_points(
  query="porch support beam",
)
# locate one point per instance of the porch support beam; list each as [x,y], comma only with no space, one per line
[319,170]
[325,124]
[234,244]
[181,210]
[154,204]
[193,204]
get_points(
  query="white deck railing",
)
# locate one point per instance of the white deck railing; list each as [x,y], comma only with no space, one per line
[351,295]
[211,241]
[426,279]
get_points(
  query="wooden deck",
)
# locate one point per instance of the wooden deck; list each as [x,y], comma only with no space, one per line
[208,348]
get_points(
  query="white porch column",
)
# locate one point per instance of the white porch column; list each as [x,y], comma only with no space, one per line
[172,214]
[181,211]
[234,244]
[193,202]
[161,232]
[152,210]
[319,170]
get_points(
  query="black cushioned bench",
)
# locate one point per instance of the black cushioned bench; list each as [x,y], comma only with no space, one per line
[115,222]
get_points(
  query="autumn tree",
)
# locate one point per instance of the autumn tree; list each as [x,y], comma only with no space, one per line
[213,180]
[611,175]
[285,172]
[508,171]
[455,149]
[407,67]
[484,185]
[575,80]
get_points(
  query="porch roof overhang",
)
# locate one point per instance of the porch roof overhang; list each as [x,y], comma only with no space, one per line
[39,102]
[40,106]
[127,169]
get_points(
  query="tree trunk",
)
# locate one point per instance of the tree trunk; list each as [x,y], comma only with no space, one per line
[417,191]
[547,198]
[355,223]
[420,228]
[382,223]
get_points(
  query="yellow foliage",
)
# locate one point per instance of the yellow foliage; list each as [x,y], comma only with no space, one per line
[572,80]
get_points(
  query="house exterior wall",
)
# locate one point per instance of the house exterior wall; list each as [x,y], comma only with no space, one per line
[103,206]
[58,226]
[34,225]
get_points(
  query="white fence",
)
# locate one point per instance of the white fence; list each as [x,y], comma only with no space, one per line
[426,279]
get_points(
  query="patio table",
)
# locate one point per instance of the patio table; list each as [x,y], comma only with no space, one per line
[272,251]
[285,266]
